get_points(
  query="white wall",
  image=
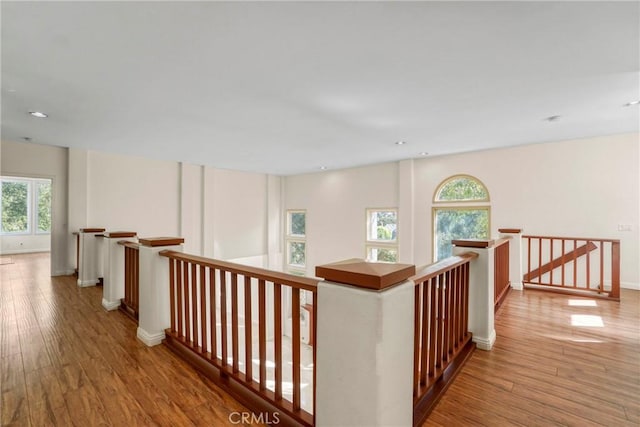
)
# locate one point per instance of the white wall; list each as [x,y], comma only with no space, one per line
[336,203]
[581,188]
[133,194]
[41,161]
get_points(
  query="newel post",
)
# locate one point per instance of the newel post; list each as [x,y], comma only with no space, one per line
[88,247]
[154,309]
[481,290]
[515,255]
[113,289]
[365,333]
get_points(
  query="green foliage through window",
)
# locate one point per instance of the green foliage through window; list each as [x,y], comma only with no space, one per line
[297,223]
[44,206]
[462,189]
[383,254]
[15,206]
[297,254]
[459,223]
[25,206]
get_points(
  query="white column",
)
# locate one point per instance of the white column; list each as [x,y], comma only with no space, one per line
[364,370]
[88,262]
[154,308]
[113,286]
[481,291]
[515,255]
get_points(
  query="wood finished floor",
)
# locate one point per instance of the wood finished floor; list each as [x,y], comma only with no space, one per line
[546,371]
[65,361]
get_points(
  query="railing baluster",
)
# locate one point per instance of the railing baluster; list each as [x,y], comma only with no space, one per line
[426,356]
[186,310]
[248,333]
[223,315]
[262,332]
[213,319]
[601,249]
[550,259]
[234,322]
[540,259]
[172,295]
[179,295]
[194,304]
[575,263]
[588,267]
[295,346]
[433,324]
[615,270]
[562,260]
[277,338]
[418,332]
[203,309]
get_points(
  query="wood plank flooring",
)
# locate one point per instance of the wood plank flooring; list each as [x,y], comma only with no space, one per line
[65,361]
[558,360]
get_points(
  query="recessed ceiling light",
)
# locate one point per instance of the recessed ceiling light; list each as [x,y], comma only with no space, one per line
[401,142]
[27,139]
[552,118]
[38,114]
[323,168]
[632,103]
[424,153]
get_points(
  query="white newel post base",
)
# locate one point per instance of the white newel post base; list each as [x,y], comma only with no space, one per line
[88,256]
[515,256]
[481,294]
[364,355]
[113,286]
[154,315]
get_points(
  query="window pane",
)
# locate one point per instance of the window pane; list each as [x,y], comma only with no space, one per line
[44,206]
[382,225]
[383,254]
[296,254]
[462,188]
[15,207]
[297,223]
[451,224]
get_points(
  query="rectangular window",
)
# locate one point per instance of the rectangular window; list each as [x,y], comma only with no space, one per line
[15,206]
[43,198]
[25,206]
[458,223]
[382,235]
[296,242]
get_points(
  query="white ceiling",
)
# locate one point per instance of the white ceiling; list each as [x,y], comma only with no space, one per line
[288,87]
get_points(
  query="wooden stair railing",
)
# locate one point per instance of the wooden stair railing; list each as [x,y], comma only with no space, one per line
[130,304]
[558,262]
[588,266]
[217,305]
[442,341]
[502,284]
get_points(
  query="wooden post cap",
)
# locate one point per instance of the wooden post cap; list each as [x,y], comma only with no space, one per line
[510,230]
[120,234]
[363,274]
[473,243]
[161,241]
[92,230]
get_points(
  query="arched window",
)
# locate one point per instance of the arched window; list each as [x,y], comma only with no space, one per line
[461,211]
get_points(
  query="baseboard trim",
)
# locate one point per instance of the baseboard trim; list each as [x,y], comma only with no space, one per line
[629,285]
[110,305]
[150,339]
[63,273]
[485,343]
[85,283]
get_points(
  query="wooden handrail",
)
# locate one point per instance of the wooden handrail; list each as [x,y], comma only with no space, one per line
[128,244]
[562,259]
[585,276]
[589,239]
[432,270]
[298,282]
[214,303]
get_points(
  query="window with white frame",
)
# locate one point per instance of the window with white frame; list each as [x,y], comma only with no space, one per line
[296,241]
[461,211]
[25,206]
[382,235]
